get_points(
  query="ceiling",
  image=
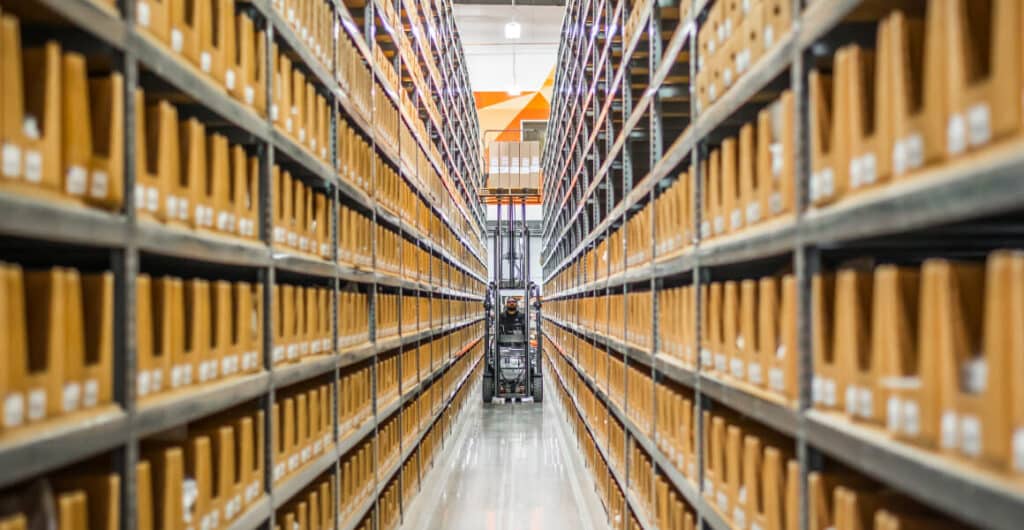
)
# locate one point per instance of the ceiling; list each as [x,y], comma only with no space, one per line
[489,56]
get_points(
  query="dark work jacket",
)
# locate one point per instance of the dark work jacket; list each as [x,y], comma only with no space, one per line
[513,322]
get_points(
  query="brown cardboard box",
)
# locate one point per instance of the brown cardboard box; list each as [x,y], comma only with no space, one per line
[826,387]
[918,126]
[184,193]
[154,17]
[187,21]
[93,148]
[828,130]
[32,88]
[982,72]
[158,163]
[776,156]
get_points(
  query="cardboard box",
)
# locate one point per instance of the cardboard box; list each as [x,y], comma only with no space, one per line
[157,166]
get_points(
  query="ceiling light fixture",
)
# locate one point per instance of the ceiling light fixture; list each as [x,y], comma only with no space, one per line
[513,31]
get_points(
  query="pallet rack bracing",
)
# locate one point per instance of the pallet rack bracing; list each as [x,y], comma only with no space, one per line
[438,239]
[651,242]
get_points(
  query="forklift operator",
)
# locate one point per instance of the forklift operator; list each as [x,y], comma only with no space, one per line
[512,321]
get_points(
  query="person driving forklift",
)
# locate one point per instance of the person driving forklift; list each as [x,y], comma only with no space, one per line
[512,321]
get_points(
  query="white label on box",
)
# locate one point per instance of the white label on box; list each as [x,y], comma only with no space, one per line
[829,389]
[14,409]
[142,14]
[956,134]
[72,396]
[278,472]
[817,390]
[855,172]
[866,403]
[970,435]
[274,112]
[705,357]
[177,40]
[250,97]
[753,212]
[157,380]
[913,151]
[893,414]
[949,426]
[293,352]
[36,404]
[776,380]
[278,353]
[736,220]
[152,199]
[142,382]
[709,487]
[223,222]
[899,157]
[171,204]
[76,180]
[205,62]
[212,370]
[723,501]
[851,400]
[979,122]
[293,462]
[868,169]
[302,132]
[736,366]
[186,374]
[34,166]
[99,186]
[719,224]
[911,418]
[306,453]
[11,161]
[769,36]
[754,373]
[739,518]
[204,372]
[225,366]
[727,77]
[229,79]
[827,182]
[1018,449]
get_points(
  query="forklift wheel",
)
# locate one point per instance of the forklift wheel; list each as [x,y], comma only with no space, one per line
[538,391]
[488,389]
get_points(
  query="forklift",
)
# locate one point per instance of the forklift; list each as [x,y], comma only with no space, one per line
[512,372]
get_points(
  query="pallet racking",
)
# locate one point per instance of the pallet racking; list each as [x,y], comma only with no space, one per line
[436,161]
[629,120]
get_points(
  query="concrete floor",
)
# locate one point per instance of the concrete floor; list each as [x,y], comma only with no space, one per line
[513,466]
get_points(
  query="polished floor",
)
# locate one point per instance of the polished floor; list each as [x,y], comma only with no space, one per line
[512,466]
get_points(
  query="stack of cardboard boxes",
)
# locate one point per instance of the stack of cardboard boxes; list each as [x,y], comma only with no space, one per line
[513,165]
[942,82]
[57,326]
[733,39]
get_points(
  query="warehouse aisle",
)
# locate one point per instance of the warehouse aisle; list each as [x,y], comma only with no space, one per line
[510,466]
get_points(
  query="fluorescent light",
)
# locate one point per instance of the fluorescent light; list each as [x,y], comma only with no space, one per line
[513,30]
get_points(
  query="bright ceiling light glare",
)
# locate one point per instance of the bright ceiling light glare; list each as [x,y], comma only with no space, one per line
[514,90]
[513,31]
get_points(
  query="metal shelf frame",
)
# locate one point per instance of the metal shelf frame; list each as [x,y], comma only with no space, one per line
[595,116]
[132,243]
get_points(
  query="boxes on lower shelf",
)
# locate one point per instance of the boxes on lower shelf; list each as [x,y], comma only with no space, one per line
[313,507]
[195,331]
[58,331]
[302,322]
[77,500]
[872,328]
[302,426]
[222,458]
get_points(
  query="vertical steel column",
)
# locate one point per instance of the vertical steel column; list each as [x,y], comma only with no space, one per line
[267,278]
[525,272]
[125,266]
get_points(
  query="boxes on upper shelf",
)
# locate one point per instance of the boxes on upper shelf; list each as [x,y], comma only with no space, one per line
[925,95]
